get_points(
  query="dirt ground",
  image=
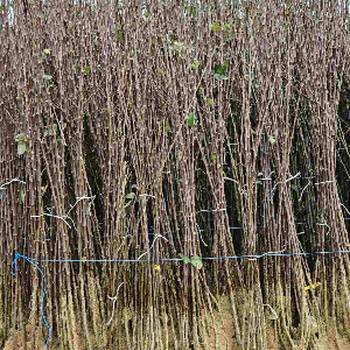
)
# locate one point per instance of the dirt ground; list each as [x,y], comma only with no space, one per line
[221,339]
[225,342]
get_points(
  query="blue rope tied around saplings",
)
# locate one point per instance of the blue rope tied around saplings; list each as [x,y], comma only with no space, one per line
[34,264]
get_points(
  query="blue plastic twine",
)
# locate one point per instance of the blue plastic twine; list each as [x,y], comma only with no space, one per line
[35,265]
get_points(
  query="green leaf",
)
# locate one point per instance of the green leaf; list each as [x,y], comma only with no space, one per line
[215,27]
[146,15]
[227,26]
[119,35]
[191,11]
[21,140]
[272,139]
[213,157]
[197,262]
[210,102]
[86,70]
[177,47]
[195,64]
[174,47]
[220,71]
[21,148]
[22,196]
[185,259]
[192,120]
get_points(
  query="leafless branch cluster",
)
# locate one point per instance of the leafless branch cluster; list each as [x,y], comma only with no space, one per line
[120,118]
